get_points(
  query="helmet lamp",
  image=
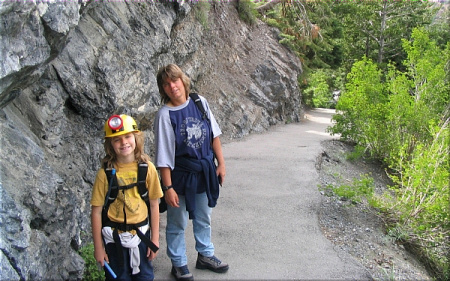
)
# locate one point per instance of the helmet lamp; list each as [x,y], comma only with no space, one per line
[117,125]
[115,122]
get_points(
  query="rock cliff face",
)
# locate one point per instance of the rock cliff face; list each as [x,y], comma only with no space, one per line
[67,66]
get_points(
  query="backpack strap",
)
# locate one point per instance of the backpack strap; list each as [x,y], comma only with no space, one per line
[196,98]
[113,190]
[142,184]
[146,240]
[113,187]
[143,191]
[198,102]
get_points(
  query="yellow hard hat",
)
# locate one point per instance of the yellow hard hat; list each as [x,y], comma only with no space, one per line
[118,125]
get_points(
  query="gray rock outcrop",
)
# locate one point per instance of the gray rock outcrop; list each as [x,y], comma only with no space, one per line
[67,66]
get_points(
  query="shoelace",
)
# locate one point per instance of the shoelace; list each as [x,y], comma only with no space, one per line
[215,260]
[184,270]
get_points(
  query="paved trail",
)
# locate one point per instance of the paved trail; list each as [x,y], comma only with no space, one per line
[266,222]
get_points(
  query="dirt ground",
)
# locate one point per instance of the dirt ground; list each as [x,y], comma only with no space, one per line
[355,228]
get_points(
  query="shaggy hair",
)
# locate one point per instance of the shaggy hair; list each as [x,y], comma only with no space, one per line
[171,72]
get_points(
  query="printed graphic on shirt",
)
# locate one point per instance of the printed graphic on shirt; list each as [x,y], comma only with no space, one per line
[194,132]
[125,178]
[132,202]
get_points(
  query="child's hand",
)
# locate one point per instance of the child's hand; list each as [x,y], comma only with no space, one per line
[172,198]
[221,173]
[150,254]
[100,256]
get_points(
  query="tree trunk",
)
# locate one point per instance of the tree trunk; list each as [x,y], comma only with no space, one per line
[267,6]
[367,45]
[382,29]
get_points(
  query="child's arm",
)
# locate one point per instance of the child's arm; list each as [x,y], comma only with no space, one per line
[154,221]
[170,195]
[96,222]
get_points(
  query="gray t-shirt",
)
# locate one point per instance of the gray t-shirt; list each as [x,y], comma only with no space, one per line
[165,126]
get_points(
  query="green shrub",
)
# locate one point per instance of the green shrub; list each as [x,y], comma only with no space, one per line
[273,22]
[357,153]
[359,189]
[402,118]
[247,12]
[318,90]
[91,270]
[421,203]
[287,40]
[202,12]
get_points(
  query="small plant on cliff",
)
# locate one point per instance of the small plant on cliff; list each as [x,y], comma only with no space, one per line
[202,12]
[91,272]
[247,12]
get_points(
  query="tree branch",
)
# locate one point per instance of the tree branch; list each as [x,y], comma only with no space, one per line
[264,8]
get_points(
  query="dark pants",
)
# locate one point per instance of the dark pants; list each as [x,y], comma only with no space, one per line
[124,273]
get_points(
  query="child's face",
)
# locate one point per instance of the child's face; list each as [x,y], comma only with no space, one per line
[174,89]
[124,146]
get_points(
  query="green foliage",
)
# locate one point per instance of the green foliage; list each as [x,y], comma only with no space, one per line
[334,34]
[359,189]
[389,275]
[288,40]
[273,22]
[357,153]
[421,203]
[307,37]
[201,11]
[91,271]
[375,28]
[361,108]
[402,117]
[395,105]
[318,93]
[247,12]
[325,49]
[398,233]
[320,86]
[438,30]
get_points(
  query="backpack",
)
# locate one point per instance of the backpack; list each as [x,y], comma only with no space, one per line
[199,104]
[113,186]
[111,195]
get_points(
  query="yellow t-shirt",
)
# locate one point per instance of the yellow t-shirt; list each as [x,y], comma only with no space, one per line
[135,207]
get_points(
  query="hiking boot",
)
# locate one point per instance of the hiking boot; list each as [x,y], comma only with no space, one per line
[211,263]
[182,273]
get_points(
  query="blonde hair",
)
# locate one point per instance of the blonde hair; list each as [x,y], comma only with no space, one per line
[173,72]
[110,158]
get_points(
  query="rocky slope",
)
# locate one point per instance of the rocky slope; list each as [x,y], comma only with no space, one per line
[355,227]
[68,65]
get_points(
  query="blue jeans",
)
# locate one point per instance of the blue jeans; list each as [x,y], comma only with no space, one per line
[124,273]
[177,219]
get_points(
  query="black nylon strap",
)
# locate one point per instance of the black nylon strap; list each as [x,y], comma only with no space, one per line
[123,227]
[146,240]
[112,187]
[119,247]
[142,184]
[198,102]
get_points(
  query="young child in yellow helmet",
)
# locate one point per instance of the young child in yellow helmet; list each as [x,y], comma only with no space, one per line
[124,233]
